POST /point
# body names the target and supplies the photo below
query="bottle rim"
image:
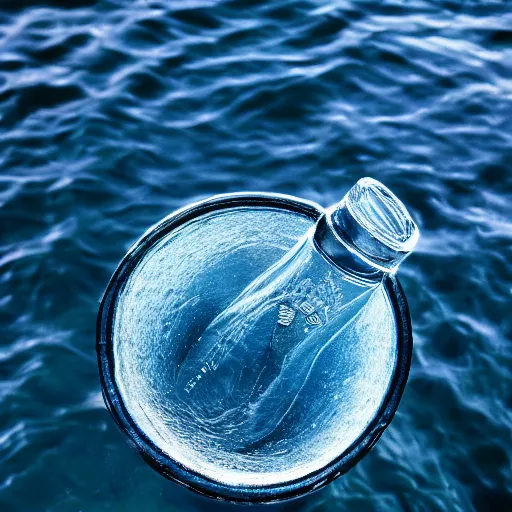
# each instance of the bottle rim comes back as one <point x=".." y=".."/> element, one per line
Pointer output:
<point x="396" y="228"/>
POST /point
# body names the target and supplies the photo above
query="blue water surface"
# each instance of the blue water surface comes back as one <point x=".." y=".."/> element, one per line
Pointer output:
<point x="114" y="113"/>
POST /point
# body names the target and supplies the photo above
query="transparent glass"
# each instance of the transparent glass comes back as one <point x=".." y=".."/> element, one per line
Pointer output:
<point x="254" y="347"/>
<point x="250" y="363"/>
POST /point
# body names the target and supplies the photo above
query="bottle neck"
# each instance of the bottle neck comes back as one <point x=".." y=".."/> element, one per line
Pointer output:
<point x="340" y="253"/>
<point x="369" y="231"/>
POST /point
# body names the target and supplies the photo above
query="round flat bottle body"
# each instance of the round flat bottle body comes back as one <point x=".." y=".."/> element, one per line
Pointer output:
<point x="209" y="425"/>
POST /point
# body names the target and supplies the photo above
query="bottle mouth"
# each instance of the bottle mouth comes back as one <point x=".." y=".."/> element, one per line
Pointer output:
<point x="379" y="211"/>
<point x="376" y="224"/>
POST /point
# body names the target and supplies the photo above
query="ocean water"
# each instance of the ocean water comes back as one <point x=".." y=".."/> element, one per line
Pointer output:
<point x="115" y="113"/>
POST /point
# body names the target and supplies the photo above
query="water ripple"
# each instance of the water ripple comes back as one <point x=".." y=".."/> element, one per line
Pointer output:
<point x="113" y="114"/>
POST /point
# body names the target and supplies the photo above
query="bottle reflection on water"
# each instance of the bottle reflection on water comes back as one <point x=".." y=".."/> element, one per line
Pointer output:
<point x="247" y="369"/>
